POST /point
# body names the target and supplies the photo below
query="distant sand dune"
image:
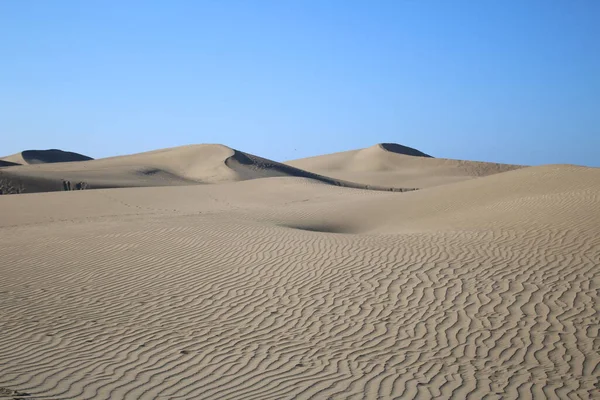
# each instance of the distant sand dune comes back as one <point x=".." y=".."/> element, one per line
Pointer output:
<point x="185" y="165"/>
<point x="400" y="149"/>
<point x="293" y="288"/>
<point x="388" y="164"/>
<point x="45" y="156"/>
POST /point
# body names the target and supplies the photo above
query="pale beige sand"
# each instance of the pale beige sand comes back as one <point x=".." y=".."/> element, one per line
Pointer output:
<point x="389" y="164"/>
<point x="184" y="165"/>
<point x="288" y="288"/>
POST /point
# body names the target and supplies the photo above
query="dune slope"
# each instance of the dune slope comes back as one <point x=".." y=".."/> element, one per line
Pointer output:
<point x="289" y="288"/>
<point x="4" y="163"/>
<point x="390" y="164"/>
<point x="45" y="156"/>
<point x="185" y="165"/>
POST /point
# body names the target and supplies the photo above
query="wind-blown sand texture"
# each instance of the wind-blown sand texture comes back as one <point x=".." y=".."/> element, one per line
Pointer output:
<point x="295" y="288"/>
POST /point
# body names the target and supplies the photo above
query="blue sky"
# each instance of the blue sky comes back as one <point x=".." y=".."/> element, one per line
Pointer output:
<point x="506" y="81"/>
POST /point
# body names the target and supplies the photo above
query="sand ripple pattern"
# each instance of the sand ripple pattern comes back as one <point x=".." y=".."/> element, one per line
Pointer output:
<point x="222" y="306"/>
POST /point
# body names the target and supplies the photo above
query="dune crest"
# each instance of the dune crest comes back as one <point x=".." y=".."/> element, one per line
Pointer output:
<point x="4" y="163"/>
<point x="184" y="165"/>
<point x="400" y="149"/>
<point x="45" y="156"/>
<point x="388" y="164"/>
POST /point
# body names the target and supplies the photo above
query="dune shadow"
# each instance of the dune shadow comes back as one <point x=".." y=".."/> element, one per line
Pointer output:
<point x="322" y="228"/>
<point x="405" y="150"/>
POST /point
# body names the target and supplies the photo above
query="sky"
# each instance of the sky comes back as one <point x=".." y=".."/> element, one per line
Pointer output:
<point x="504" y="81"/>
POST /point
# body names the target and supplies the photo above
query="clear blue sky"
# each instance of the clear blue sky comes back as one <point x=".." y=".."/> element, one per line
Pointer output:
<point x="507" y="81"/>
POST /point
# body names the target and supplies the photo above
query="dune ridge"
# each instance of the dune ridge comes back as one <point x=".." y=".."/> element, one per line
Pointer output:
<point x="4" y="163"/>
<point x="287" y="288"/>
<point x="400" y="149"/>
<point x="45" y="156"/>
<point x="389" y="163"/>
<point x="261" y="167"/>
<point x="184" y="165"/>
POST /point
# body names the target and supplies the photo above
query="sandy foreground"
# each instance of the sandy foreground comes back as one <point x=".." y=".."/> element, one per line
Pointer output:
<point x="482" y="284"/>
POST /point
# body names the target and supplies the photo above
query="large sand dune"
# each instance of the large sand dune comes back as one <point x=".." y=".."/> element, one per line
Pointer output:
<point x="391" y="164"/>
<point x="294" y="288"/>
<point x="185" y="165"/>
<point x="44" y="157"/>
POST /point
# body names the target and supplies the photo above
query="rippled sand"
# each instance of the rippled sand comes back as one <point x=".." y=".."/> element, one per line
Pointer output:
<point x="293" y="288"/>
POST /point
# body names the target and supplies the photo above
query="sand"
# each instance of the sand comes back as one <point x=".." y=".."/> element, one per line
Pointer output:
<point x="178" y="166"/>
<point x="287" y="287"/>
<point x="389" y="164"/>
<point x="44" y="157"/>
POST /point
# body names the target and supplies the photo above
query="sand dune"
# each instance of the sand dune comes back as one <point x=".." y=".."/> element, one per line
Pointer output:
<point x="44" y="157"/>
<point x="389" y="164"/>
<point x="185" y="165"/>
<point x="179" y="166"/>
<point x="4" y="163"/>
<point x="294" y="288"/>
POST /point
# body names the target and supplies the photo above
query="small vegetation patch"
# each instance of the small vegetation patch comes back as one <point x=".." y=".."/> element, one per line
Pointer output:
<point x="15" y="394"/>
<point x="68" y="185"/>
<point x="11" y="186"/>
